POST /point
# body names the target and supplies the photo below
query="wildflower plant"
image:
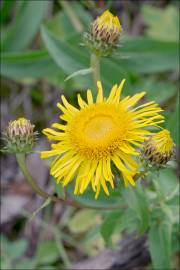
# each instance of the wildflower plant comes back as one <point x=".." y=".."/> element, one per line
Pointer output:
<point x="109" y="150"/>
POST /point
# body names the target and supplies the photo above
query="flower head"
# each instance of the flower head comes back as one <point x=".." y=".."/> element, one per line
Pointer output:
<point x="106" y="28"/>
<point x="159" y="148"/>
<point x="97" y="134"/>
<point x="19" y="136"/>
<point x="104" y="34"/>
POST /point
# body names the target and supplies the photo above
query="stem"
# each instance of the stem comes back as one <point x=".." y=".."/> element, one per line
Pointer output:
<point x="95" y="64"/>
<point x="72" y="15"/>
<point x="22" y="164"/>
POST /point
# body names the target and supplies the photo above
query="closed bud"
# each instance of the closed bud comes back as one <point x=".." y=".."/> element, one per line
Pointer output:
<point x="19" y="136"/>
<point x="104" y="34"/>
<point x="106" y="28"/>
<point x="159" y="148"/>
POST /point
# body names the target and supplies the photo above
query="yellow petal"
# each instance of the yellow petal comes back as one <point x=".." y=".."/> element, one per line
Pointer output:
<point x="81" y="102"/>
<point x="112" y="94"/>
<point x="128" y="177"/>
<point x="71" y="173"/>
<point x="103" y="183"/>
<point x="89" y="97"/>
<point x="97" y="190"/>
<point x="50" y="153"/>
<point x="100" y="92"/>
<point x="119" y="90"/>
<point x="59" y="126"/>
<point x="68" y="106"/>
<point x="134" y="99"/>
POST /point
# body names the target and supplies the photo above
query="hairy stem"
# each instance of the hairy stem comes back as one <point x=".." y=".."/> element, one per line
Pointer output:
<point x="22" y="164"/>
<point x="95" y="64"/>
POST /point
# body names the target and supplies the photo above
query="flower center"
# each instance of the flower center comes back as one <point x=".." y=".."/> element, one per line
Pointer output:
<point x="98" y="128"/>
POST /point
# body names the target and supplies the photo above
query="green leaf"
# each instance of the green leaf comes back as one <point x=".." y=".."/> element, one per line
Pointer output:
<point x="114" y="201"/>
<point x="85" y="17"/>
<point x="162" y="23"/>
<point x="167" y="181"/>
<point x="14" y="249"/>
<point x="175" y="238"/>
<point x="136" y="199"/>
<point x="172" y="122"/>
<point x="82" y="221"/>
<point x="26" y="264"/>
<point x="47" y="252"/>
<point x="28" y="65"/>
<point x="160" y="245"/>
<point x="22" y="31"/>
<point x="112" y="73"/>
<point x="63" y="54"/>
<point x="5" y="10"/>
<point x="129" y="221"/>
<point x="159" y="91"/>
<point x="109" y="224"/>
<point x="146" y="55"/>
<point x="80" y="72"/>
<point x="61" y="26"/>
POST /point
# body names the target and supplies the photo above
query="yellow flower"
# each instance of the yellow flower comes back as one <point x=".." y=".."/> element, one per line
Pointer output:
<point x="159" y="148"/>
<point x="98" y="133"/>
<point x="106" y="28"/>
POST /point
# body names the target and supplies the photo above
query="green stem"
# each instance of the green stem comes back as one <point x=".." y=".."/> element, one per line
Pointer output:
<point x="95" y="64"/>
<point x="22" y="164"/>
<point x="72" y="15"/>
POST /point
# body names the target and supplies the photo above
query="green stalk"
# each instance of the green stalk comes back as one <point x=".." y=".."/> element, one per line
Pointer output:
<point x="95" y="64"/>
<point x="22" y="164"/>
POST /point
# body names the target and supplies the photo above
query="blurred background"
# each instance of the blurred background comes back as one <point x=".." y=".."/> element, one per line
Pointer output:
<point x="40" y="46"/>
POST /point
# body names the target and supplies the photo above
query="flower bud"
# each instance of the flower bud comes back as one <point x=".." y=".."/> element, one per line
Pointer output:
<point x="19" y="136"/>
<point x="106" y="28"/>
<point x="159" y="149"/>
<point x="104" y="34"/>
